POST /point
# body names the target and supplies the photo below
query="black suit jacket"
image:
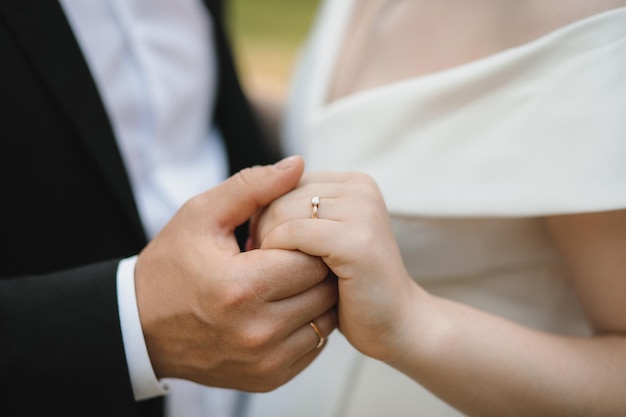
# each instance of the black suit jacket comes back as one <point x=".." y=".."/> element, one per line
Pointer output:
<point x="67" y="215"/>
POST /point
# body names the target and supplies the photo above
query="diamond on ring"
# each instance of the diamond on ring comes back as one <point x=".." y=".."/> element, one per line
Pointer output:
<point x="315" y="203"/>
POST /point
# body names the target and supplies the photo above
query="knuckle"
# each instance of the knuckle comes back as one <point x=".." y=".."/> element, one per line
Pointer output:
<point x="194" y="204"/>
<point x="359" y="177"/>
<point x="246" y="177"/>
<point x="255" y="339"/>
<point x="365" y="239"/>
<point x="270" y="365"/>
<point x="368" y="188"/>
<point x="239" y="296"/>
<point x="272" y="372"/>
<point x="369" y="180"/>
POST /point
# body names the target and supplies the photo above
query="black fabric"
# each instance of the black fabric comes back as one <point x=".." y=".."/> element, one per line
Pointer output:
<point x="68" y="215"/>
<point x="61" y="349"/>
<point x="234" y="115"/>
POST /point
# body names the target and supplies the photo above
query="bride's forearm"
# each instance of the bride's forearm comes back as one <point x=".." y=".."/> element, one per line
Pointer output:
<point x="487" y="366"/>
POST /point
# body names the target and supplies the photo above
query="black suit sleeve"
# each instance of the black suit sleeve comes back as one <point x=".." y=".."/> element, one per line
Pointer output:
<point x="61" y="347"/>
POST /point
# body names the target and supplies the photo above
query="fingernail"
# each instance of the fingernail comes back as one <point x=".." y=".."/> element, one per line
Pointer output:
<point x="285" y="163"/>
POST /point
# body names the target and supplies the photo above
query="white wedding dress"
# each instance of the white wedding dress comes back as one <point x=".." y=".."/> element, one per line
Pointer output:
<point x="467" y="159"/>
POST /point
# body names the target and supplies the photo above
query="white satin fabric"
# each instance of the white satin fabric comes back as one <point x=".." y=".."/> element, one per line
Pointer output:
<point x="467" y="159"/>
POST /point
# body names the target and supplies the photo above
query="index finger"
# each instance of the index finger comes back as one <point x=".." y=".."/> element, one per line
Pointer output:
<point x="281" y="274"/>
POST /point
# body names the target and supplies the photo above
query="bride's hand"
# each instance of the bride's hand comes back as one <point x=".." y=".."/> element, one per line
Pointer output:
<point x="353" y="235"/>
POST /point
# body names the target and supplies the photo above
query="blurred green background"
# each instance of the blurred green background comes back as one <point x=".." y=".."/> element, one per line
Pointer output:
<point x="267" y="35"/>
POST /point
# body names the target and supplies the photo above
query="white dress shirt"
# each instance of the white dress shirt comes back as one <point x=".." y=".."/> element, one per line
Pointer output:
<point x="154" y="64"/>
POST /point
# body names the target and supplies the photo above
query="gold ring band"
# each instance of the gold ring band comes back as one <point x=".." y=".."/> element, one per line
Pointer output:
<point x="315" y="203"/>
<point x="321" y="340"/>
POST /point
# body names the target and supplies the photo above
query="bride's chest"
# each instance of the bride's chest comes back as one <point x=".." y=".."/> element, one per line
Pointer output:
<point x="384" y="41"/>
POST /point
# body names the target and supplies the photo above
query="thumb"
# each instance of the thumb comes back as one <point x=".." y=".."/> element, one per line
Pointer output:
<point x="240" y="196"/>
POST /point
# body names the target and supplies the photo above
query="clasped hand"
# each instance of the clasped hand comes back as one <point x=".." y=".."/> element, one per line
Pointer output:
<point x="221" y="317"/>
<point x="352" y="234"/>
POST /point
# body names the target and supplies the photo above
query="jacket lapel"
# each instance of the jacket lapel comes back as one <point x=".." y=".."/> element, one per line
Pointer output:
<point x="243" y="136"/>
<point x="42" y="31"/>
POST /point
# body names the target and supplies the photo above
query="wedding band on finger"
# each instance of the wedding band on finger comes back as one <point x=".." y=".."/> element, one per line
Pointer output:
<point x="315" y="204"/>
<point x="321" y="340"/>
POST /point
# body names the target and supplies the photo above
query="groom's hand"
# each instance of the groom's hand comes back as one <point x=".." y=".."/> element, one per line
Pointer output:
<point x="219" y="317"/>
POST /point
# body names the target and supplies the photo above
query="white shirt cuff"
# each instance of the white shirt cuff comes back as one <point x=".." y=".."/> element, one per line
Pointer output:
<point x="143" y="380"/>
